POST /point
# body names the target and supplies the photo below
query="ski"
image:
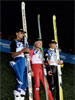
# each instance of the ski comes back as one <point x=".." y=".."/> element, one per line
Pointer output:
<point x="58" y="58"/>
<point x="44" y="67"/>
<point x="27" y="54"/>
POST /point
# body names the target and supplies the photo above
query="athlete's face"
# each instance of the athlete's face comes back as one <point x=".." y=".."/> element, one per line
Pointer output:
<point x="20" y="35"/>
<point x="53" y="45"/>
<point x="38" y="44"/>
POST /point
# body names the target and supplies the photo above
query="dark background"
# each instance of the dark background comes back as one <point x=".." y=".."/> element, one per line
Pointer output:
<point x="64" y="10"/>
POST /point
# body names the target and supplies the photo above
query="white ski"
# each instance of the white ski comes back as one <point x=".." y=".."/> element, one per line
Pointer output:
<point x="44" y="67"/>
<point x="58" y="58"/>
<point x="27" y="55"/>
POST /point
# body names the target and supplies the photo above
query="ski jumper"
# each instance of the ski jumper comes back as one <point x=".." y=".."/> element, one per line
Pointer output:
<point x="52" y="79"/>
<point x="37" y="68"/>
<point x="19" y="66"/>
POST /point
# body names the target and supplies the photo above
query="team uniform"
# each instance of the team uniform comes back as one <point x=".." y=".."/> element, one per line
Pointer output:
<point x="19" y="66"/>
<point x="37" y="69"/>
<point x="52" y="79"/>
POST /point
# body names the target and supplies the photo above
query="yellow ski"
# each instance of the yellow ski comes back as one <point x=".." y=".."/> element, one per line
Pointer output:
<point x="57" y="55"/>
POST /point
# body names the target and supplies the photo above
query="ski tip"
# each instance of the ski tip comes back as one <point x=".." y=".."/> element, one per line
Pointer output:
<point x="54" y="17"/>
<point x="23" y="4"/>
<point x="38" y="15"/>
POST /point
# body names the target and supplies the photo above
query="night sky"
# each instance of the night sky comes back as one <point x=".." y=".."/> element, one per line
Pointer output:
<point x="11" y="20"/>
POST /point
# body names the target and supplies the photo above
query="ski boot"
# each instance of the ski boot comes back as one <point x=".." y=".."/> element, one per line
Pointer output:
<point x="22" y="95"/>
<point x="16" y="95"/>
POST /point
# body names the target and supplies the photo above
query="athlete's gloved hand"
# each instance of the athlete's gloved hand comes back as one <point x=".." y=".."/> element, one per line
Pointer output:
<point x="46" y="63"/>
<point x="32" y="74"/>
<point x="49" y="61"/>
<point x="60" y="62"/>
<point x="50" y="72"/>
<point x="25" y="50"/>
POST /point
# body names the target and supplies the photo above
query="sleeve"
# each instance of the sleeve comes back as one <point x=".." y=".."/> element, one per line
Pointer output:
<point x="31" y="54"/>
<point x="49" y="55"/>
<point x="13" y="46"/>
